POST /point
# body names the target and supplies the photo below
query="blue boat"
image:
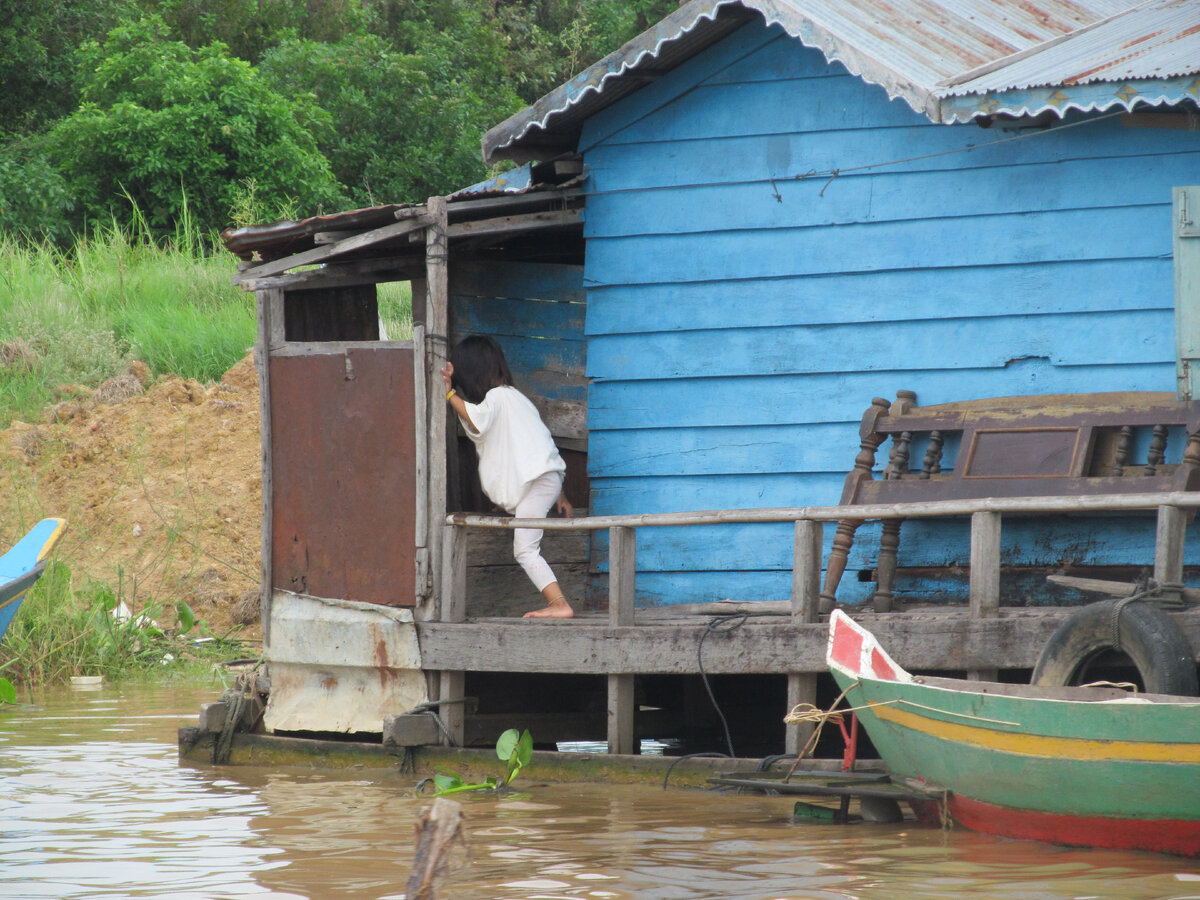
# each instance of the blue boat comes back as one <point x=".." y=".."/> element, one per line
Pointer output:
<point x="21" y="566"/>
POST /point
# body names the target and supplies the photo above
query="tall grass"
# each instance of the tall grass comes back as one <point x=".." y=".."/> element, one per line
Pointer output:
<point x="64" y="629"/>
<point x="78" y="316"/>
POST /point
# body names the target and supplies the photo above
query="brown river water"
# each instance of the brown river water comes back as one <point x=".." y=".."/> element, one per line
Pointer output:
<point x="94" y="804"/>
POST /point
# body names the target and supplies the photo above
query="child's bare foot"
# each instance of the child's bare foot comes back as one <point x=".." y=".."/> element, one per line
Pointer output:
<point x="558" y="608"/>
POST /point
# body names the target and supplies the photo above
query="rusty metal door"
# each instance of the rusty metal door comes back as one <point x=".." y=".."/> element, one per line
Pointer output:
<point x="343" y="473"/>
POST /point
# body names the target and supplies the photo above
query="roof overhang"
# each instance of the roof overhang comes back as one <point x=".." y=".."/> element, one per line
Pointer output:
<point x="950" y="61"/>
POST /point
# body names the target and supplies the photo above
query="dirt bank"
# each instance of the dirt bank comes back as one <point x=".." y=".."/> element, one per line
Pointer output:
<point x="161" y="483"/>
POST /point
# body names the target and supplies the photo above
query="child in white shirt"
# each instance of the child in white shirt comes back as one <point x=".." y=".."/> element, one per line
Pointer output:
<point x="520" y="469"/>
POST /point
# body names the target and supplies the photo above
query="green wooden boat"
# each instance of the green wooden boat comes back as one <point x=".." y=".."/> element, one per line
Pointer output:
<point x="1085" y="766"/>
<point x="21" y="566"/>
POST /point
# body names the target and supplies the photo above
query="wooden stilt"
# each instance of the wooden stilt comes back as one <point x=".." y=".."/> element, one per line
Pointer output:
<point x="622" y="580"/>
<point x="985" y="576"/>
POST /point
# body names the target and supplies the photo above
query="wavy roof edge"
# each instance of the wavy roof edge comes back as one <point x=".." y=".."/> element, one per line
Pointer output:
<point x="1083" y="43"/>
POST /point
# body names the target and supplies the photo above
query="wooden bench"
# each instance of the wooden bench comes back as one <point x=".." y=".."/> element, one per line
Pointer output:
<point x="1032" y="446"/>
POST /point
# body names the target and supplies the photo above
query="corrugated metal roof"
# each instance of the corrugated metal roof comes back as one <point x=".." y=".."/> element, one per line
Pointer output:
<point x="919" y="50"/>
<point x="1157" y="39"/>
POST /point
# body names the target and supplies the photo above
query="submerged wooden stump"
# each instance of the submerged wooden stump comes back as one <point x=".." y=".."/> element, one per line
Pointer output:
<point x="438" y="829"/>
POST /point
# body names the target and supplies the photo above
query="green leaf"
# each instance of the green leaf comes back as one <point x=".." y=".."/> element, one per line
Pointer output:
<point x="507" y="744"/>
<point x="186" y="617"/>
<point x="525" y="748"/>
<point x="8" y="693"/>
<point x="446" y="782"/>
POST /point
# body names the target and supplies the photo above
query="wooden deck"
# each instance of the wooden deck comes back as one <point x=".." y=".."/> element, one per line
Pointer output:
<point x="666" y="641"/>
<point x="784" y="638"/>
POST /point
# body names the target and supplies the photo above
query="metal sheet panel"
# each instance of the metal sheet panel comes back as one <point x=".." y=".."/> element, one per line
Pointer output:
<point x="1159" y="39"/>
<point x="344" y="474"/>
<point x="340" y="667"/>
<point x="912" y="48"/>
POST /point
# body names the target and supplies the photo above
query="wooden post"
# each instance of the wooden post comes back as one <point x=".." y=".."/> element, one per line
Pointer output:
<point x="421" y="433"/>
<point x="985" y="576"/>
<point x="270" y="308"/>
<point x="439" y="828"/>
<point x="454" y="574"/>
<point x="453" y="607"/>
<point x="1168" y="548"/>
<point x="436" y="354"/>
<point x="622" y="580"/>
<point x="806" y="597"/>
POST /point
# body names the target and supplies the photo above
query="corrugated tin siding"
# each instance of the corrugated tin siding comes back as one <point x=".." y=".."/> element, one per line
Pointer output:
<point x="741" y="315"/>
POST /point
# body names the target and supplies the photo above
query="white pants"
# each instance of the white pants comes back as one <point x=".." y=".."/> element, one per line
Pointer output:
<point x="527" y="542"/>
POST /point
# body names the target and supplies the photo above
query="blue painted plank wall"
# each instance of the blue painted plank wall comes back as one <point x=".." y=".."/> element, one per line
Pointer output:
<point x="745" y="303"/>
<point x="536" y="312"/>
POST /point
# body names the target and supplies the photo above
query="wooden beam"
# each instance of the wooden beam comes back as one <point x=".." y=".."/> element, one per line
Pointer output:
<point x="935" y="508"/>
<point x="622" y="575"/>
<point x="452" y="687"/>
<point x="328" y="251"/>
<point x="437" y="305"/>
<point x="620" y="714"/>
<point x="454" y="575"/>
<point x="806" y="571"/>
<point x="806" y="597"/>
<point x="622" y="594"/>
<point x="270" y="305"/>
<point x="948" y="641"/>
<point x="515" y="224"/>
<point x="342" y="274"/>
<point x="421" y="475"/>
<point x="556" y="198"/>
<point x="985" y="578"/>
<point x="1168" y="548"/>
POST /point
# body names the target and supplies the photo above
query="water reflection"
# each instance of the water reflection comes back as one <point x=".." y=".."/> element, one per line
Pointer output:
<point x="94" y="805"/>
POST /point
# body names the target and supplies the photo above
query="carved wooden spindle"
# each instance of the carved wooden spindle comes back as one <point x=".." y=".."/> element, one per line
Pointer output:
<point x="1191" y="453"/>
<point x="843" y="540"/>
<point x="885" y="571"/>
<point x="869" y="439"/>
<point x="897" y="466"/>
<point x="1124" y="445"/>
<point x="1158" y="450"/>
<point x="933" y="455"/>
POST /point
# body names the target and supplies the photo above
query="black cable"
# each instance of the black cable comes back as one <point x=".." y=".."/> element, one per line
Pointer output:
<point x="667" y="777"/>
<point x="719" y="625"/>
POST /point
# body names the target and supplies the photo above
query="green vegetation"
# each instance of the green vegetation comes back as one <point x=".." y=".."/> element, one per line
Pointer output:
<point x="64" y="629"/>
<point x="78" y="316"/>
<point x="179" y="104"/>
<point x="514" y="748"/>
<point x="133" y="131"/>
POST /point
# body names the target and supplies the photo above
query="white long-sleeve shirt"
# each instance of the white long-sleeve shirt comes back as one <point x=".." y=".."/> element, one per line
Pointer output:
<point x="514" y="445"/>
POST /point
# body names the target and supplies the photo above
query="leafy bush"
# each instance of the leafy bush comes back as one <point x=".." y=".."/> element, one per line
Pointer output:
<point x="164" y="126"/>
<point x="34" y="201"/>
<point x="402" y="126"/>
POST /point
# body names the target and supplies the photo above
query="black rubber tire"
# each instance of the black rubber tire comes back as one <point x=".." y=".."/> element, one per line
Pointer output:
<point x="1149" y="637"/>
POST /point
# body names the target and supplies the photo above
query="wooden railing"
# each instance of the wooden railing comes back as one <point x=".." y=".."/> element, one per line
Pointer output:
<point x="984" y="578"/>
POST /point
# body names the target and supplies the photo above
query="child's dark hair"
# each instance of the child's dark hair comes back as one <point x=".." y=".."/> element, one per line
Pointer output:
<point x="479" y="366"/>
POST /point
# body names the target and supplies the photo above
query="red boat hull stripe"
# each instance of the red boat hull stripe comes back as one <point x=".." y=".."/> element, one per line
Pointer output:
<point x="1181" y="837"/>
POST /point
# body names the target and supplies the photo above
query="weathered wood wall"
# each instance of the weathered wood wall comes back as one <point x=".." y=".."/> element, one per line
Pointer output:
<point x="536" y="312"/>
<point x="744" y="306"/>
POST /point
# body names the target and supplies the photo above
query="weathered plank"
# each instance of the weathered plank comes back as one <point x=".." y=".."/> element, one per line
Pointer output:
<point x="1100" y="285"/>
<point x="984" y="342"/>
<point x="917" y="641"/>
<point x="763" y="400"/>
<point x="328" y="251"/>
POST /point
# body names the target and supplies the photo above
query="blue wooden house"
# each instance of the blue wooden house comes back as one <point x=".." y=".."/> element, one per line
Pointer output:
<point x="721" y="243"/>
<point x="793" y="206"/>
